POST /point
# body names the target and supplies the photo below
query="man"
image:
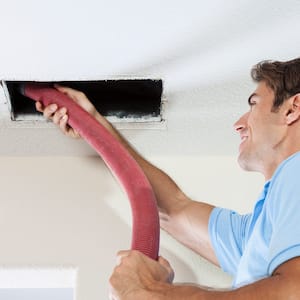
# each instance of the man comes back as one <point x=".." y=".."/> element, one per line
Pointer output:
<point x="262" y="249"/>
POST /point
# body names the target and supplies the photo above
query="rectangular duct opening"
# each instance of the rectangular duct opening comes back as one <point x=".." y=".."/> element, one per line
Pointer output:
<point x="124" y="100"/>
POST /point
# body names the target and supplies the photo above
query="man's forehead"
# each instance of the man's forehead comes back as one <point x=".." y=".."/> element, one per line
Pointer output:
<point x="262" y="90"/>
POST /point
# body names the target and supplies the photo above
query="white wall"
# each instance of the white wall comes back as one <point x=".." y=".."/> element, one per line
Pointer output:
<point x="70" y="212"/>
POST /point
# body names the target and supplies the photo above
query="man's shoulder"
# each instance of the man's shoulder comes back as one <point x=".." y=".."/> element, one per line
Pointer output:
<point x="290" y="167"/>
<point x="284" y="188"/>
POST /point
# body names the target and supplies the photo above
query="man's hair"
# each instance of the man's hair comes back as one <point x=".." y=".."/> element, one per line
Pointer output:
<point x="282" y="77"/>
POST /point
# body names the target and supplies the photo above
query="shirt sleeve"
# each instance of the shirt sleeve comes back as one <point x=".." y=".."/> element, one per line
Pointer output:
<point x="227" y="232"/>
<point x="285" y="216"/>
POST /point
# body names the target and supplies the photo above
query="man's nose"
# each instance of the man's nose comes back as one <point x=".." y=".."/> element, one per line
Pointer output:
<point x="241" y="123"/>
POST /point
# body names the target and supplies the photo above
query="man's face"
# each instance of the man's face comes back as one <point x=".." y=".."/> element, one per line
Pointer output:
<point x="261" y="131"/>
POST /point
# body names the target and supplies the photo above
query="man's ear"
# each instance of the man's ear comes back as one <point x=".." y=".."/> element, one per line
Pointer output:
<point x="293" y="113"/>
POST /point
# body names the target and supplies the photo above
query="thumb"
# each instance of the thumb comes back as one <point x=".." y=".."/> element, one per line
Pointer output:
<point x="164" y="263"/>
<point x="76" y="95"/>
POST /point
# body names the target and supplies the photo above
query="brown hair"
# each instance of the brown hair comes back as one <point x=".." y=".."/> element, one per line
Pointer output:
<point x="282" y="77"/>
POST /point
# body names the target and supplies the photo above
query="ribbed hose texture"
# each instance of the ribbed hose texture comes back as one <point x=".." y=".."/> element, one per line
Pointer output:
<point x="145" y="223"/>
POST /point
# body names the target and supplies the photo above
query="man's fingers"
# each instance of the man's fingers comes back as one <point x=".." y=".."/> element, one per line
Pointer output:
<point x="49" y="111"/>
<point x="163" y="262"/>
<point x="120" y="255"/>
<point x="66" y="129"/>
<point x="39" y="107"/>
<point x="63" y="124"/>
<point x="59" y="114"/>
<point x="123" y="252"/>
<point x="74" y="133"/>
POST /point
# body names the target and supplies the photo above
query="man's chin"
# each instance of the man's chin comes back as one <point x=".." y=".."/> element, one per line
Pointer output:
<point x="244" y="162"/>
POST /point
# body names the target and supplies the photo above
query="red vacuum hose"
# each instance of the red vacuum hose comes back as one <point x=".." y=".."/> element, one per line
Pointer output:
<point x="145" y="224"/>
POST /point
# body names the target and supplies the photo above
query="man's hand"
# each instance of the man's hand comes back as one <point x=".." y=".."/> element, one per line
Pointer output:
<point x="59" y="115"/>
<point x="135" y="274"/>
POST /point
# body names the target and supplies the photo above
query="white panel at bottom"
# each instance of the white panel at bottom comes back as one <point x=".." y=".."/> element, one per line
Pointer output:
<point x="50" y="278"/>
<point x="37" y="294"/>
<point x="37" y="283"/>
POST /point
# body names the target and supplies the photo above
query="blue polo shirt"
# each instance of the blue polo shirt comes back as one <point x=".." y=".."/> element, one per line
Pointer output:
<point x="250" y="247"/>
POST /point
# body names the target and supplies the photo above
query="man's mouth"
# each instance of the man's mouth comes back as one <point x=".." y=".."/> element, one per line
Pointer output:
<point x="243" y="138"/>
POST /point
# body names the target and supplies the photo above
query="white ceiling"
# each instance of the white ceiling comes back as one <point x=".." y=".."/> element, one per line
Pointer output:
<point x="202" y="50"/>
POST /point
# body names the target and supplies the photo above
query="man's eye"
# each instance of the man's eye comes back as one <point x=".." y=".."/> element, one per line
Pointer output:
<point x="251" y="103"/>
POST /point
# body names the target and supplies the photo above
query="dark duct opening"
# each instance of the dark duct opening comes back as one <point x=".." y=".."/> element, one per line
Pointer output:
<point x="135" y="98"/>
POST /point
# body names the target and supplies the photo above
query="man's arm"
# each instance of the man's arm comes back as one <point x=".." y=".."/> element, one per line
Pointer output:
<point x="183" y="218"/>
<point x="283" y="284"/>
<point x="138" y="277"/>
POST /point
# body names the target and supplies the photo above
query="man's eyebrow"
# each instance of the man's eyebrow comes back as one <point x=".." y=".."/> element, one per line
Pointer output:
<point x="249" y="99"/>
